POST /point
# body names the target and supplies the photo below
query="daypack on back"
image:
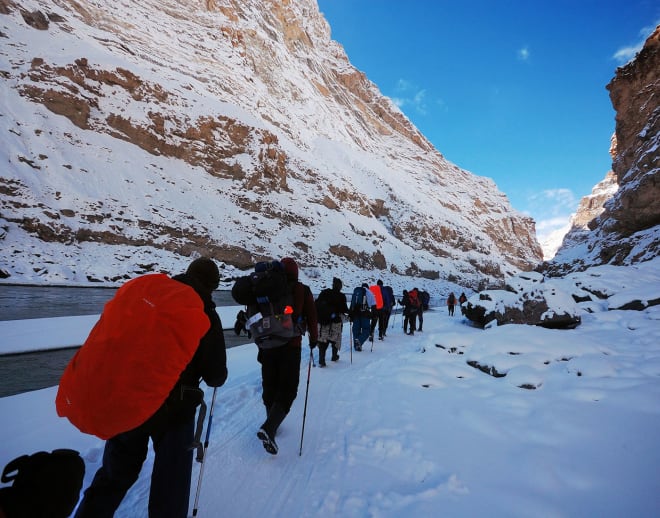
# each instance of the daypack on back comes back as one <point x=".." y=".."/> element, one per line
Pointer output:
<point x="414" y="301"/>
<point x="388" y="297"/>
<point x="425" y="299"/>
<point x="44" y="485"/>
<point x="269" y="301"/>
<point x="147" y="334"/>
<point x="359" y="305"/>
<point x="375" y="289"/>
<point x="324" y="309"/>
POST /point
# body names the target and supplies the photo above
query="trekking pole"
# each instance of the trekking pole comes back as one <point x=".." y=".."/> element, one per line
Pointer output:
<point x="206" y="446"/>
<point x="302" y="433"/>
<point x="351" y="341"/>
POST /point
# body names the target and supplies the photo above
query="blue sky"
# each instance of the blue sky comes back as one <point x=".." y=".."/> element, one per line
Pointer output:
<point x="511" y="90"/>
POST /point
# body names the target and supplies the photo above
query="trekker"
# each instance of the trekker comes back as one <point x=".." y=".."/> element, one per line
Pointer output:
<point x="239" y="324"/>
<point x="363" y="303"/>
<point x="330" y="307"/>
<point x="451" y="302"/>
<point x="171" y="428"/>
<point x="413" y="309"/>
<point x="404" y="302"/>
<point x="424" y="299"/>
<point x="377" y="313"/>
<point x="386" y="312"/>
<point x="280" y="366"/>
<point x="462" y="300"/>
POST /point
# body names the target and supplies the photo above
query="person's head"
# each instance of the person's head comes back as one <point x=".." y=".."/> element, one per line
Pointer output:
<point x="290" y="268"/>
<point x="336" y="284"/>
<point x="365" y="285"/>
<point x="379" y="282"/>
<point x="205" y="272"/>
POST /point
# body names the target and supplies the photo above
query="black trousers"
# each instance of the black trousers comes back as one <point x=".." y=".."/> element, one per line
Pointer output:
<point x="280" y="375"/>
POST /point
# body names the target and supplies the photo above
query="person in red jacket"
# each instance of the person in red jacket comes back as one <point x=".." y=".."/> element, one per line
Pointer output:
<point x="280" y="366"/>
<point x="171" y="428"/>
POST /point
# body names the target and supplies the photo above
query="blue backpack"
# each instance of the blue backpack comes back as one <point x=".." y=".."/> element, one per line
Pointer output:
<point x="388" y="297"/>
<point x="359" y="305"/>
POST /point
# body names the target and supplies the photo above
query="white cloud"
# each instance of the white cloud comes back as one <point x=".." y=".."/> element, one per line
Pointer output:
<point x="410" y="95"/>
<point x="625" y="54"/>
<point x="523" y="54"/>
<point x="554" y="201"/>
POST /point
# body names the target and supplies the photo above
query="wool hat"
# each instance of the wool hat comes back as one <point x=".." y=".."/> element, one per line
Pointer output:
<point x="290" y="268"/>
<point x="205" y="271"/>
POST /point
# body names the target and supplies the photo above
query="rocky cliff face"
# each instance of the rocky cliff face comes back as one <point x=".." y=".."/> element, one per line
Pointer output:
<point x="138" y="134"/>
<point x="589" y="209"/>
<point x="635" y="95"/>
<point x="628" y="229"/>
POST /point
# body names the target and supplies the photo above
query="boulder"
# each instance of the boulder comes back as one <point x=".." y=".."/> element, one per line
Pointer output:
<point x="527" y="299"/>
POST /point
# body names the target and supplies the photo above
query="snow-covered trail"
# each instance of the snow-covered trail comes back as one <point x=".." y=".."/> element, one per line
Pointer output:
<point x="411" y="429"/>
<point x="348" y="448"/>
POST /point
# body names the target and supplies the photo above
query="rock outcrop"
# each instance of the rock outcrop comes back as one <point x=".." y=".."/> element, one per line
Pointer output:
<point x="526" y="299"/>
<point x="627" y="230"/>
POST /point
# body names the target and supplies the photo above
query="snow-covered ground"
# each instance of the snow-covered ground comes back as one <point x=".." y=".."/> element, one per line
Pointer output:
<point x="411" y="429"/>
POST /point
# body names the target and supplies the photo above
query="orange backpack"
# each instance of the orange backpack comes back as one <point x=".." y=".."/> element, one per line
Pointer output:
<point x="375" y="289"/>
<point x="147" y="334"/>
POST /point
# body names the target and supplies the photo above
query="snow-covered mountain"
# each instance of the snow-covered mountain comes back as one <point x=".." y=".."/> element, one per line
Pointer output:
<point x="138" y="134"/>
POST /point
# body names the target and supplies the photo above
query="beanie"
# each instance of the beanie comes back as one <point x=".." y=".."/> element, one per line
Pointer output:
<point x="290" y="268"/>
<point x="206" y="272"/>
<point x="336" y="284"/>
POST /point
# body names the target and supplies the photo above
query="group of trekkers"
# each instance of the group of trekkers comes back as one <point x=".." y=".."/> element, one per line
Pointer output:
<point x="174" y="322"/>
<point x="369" y="311"/>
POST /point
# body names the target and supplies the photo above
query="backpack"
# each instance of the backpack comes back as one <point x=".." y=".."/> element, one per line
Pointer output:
<point x="268" y="298"/>
<point x="44" y="485"/>
<point x="324" y="309"/>
<point x="414" y="301"/>
<point x="378" y="295"/>
<point x="359" y="305"/>
<point x="146" y="336"/>
<point x="388" y="297"/>
<point x="426" y="298"/>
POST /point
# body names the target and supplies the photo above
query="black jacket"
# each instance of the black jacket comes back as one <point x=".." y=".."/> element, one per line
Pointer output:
<point x="209" y="363"/>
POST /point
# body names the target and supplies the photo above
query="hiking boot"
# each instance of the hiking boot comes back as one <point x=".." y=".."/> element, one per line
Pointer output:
<point x="335" y="356"/>
<point x="323" y="347"/>
<point x="269" y="442"/>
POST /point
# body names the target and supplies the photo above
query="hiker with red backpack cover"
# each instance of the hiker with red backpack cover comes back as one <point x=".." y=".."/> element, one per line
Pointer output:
<point x="414" y="304"/>
<point x="137" y="378"/>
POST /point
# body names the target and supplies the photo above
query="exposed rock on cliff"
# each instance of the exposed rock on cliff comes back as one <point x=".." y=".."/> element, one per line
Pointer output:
<point x="628" y="229"/>
<point x="235" y="129"/>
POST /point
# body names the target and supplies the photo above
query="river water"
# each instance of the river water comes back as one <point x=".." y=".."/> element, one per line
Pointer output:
<point x="21" y="302"/>
<point x="33" y="371"/>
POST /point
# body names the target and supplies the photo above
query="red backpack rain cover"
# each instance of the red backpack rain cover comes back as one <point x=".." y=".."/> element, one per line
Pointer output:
<point x="147" y="334"/>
